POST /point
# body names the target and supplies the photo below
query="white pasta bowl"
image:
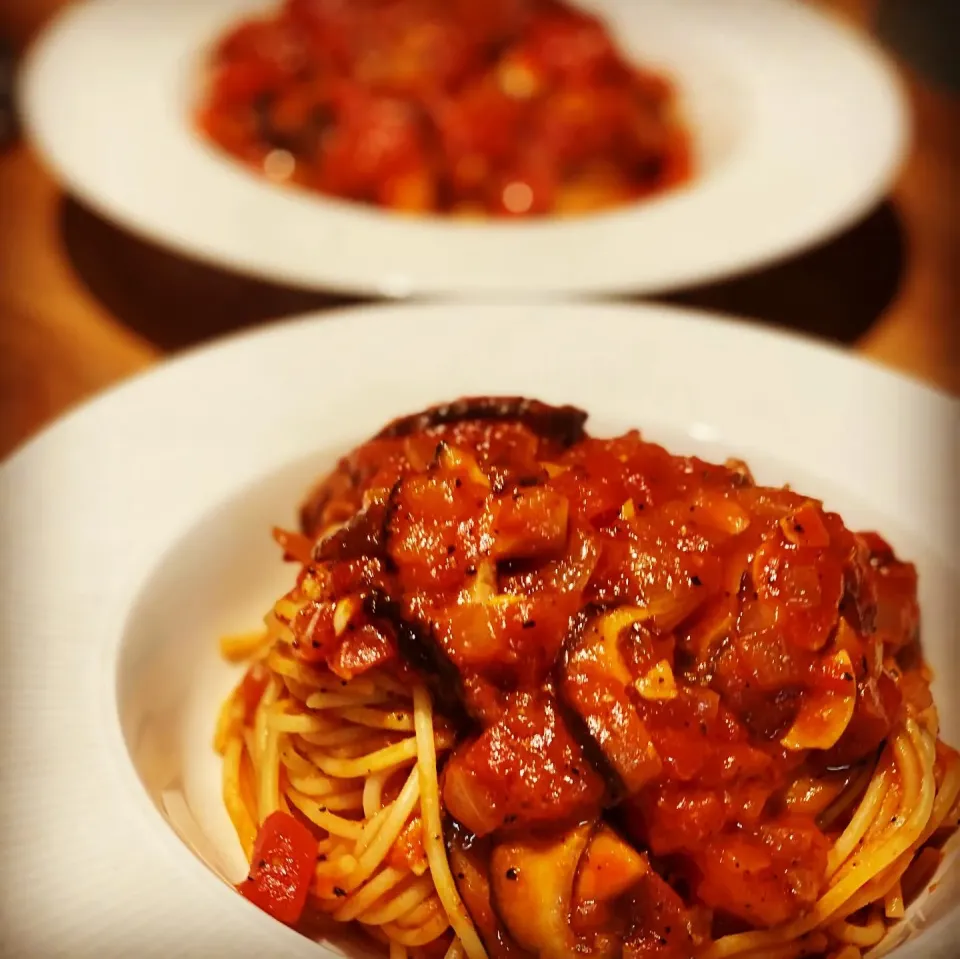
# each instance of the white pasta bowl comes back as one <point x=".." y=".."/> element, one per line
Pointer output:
<point x="136" y="531"/>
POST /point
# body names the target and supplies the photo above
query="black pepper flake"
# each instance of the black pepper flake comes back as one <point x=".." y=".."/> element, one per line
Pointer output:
<point x="893" y="820"/>
<point x="797" y="528"/>
<point x="661" y="940"/>
<point x="640" y="505"/>
<point x="529" y="623"/>
<point x="451" y="549"/>
<point x="315" y="643"/>
<point x="668" y="929"/>
<point x="296" y="644"/>
<point x="513" y="874"/>
<point x="461" y="875"/>
<point x="458" y="482"/>
<point x="575" y="770"/>
<point x="321" y="857"/>
<point x="509" y="819"/>
<point x="847" y="677"/>
<point x="339" y="892"/>
<point x="322" y="808"/>
<point x="262" y="864"/>
<point x="863" y="662"/>
<point x="696" y="581"/>
<point x="471" y="571"/>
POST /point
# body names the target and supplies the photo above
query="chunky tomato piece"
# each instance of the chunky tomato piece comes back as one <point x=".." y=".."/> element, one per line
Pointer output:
<point x="525" y="769"/>
<point x="374" y="139"/>
<point x="361" y="649"/>
<point x="529" y="524"/>
<point x="434" y="529"/>
<point x="314" y="636"/>
<point x="666" y="567"/>
<point x="767" y="876"/>
<point x="514" y="640"/>
<point x="803" y="585"/>
<point x="281" y="869"/>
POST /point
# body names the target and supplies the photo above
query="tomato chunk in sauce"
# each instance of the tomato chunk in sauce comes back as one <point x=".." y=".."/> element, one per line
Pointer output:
<point x="282" y="866"/>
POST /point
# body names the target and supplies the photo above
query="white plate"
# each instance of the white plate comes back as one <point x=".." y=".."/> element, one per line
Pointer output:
<point x="136" y="530"/>
<point x="799" y="127"/>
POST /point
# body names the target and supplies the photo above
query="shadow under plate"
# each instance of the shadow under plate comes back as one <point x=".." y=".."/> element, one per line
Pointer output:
<point x="837" y="290"/>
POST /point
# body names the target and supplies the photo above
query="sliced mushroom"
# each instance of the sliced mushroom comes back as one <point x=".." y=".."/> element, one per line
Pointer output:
<point x="560" y="424"/>
<point x="363" y="535"/>
<point x="592" y="685"/>
<point x="532" y="882"/>
<point x="470" y="865"/>
<point x="529" y="524"/>
<point x="825" y="713"/>
<point x="610" y="867"/>
<point x="419" y="648"/>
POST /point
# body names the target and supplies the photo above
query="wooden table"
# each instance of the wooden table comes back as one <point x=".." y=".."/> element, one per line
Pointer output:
<point x="83" y="304"/>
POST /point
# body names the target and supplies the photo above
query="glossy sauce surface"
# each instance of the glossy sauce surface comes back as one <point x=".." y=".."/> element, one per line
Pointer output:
<point x="654" y="664"/>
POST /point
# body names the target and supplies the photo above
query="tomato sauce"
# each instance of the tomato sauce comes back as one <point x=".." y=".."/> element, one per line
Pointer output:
<point x="649" y="644"/>
<point x="506" y="108"/>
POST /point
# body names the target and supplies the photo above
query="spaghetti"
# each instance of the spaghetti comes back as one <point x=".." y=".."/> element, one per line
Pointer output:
<point x="510" y="706"/>
<point x="357" y="760"/>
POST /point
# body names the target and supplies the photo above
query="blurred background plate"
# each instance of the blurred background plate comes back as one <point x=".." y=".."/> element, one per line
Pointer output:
<point x="798" y="123"/>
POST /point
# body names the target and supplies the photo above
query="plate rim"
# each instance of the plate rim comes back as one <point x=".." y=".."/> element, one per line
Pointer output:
<point x="348" y="313"/>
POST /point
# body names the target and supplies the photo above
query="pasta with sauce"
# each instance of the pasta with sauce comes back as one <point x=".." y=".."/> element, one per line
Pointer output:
<point x="467" y="108"/>
<point x="535" y="693"/>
